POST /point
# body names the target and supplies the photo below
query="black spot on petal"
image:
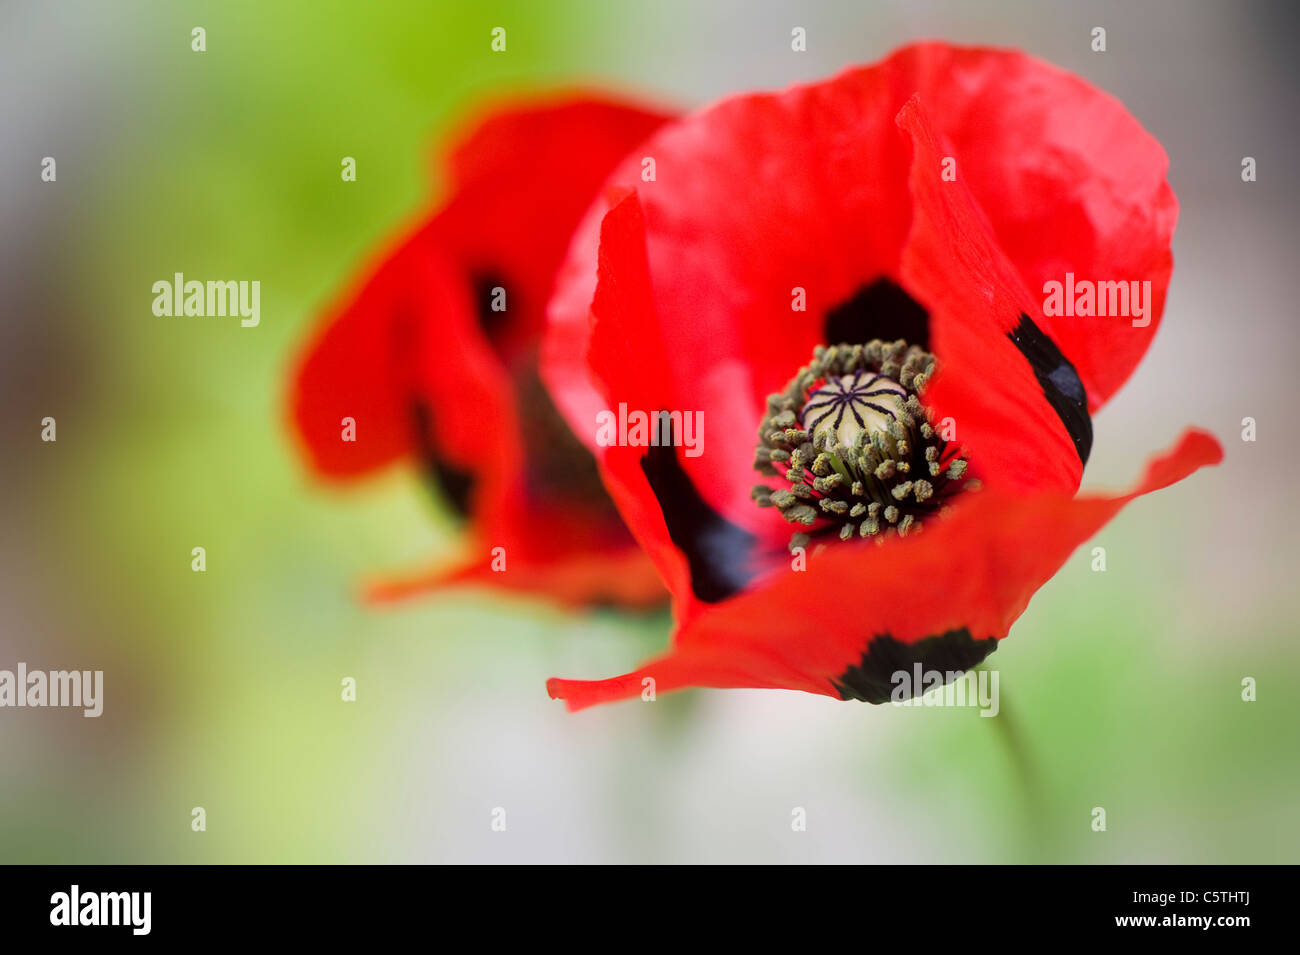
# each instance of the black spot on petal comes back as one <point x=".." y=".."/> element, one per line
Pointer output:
<point x="492" y="322"/>
<point x="879" y="309"/>
<point x="717" y="551"/>
<point x="872" y="678"/>
<point x="454" y="484"/>
<point x="1060" y="382"/>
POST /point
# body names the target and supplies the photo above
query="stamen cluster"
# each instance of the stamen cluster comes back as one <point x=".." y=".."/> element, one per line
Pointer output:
<point x="852" y="436"/>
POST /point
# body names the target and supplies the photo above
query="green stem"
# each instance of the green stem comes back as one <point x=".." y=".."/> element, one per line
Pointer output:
<point x="1030" y="784"/>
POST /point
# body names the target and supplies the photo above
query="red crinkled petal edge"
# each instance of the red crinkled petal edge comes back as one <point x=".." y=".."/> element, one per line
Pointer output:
<point x="1068" y="180"/>
<point x="976" y="570"/>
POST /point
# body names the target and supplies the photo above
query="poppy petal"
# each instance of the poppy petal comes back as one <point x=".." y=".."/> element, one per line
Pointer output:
<point x="964" y="581"/>
<point x="582" y="578"/>
<point x="519" y="181"/>
<point x="734" y="226"/>
<point x="1011" y="395"/>
<point x="697" y="549"/>
<point x="731" y="242"/>
<point x="374" y="361"/>
<point x="1070" y="182"/>
<point x="429" y="368"/>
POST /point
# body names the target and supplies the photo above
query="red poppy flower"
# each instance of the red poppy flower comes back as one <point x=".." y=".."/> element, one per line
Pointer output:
<point x="904" y="216"/>
<point x="432" y="357"/>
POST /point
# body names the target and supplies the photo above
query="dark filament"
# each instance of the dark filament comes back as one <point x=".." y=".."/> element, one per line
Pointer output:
<point x="838" y="401"/>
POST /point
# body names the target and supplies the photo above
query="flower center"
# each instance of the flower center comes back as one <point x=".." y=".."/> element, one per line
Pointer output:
<point x="860" y="450"/>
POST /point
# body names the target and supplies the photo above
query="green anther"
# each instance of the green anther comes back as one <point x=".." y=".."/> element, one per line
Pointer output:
<point x="783" y="498"/>
<point x="801" y="514"/>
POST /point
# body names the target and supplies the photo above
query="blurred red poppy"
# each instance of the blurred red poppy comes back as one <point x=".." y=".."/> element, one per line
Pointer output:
<point x="432" y="358"/>
<point x="841" y="280"/>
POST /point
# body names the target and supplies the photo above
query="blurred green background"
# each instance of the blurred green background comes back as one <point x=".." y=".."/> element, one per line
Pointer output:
<point x="223" y="688"/>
